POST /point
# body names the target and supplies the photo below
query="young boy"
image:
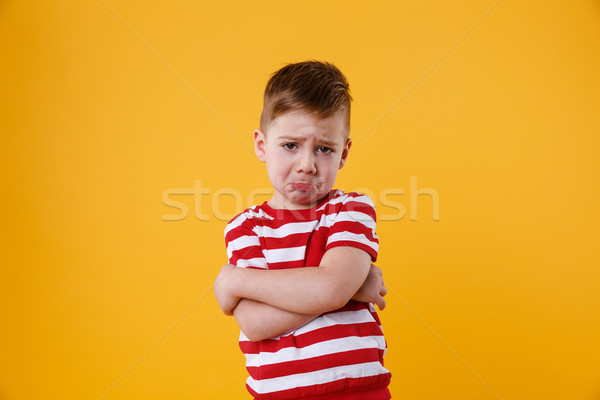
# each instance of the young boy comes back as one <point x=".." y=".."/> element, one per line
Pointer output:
<point x="307" y="333"/>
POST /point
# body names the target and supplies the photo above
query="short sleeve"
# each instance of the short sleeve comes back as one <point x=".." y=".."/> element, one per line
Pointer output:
<point x="354" y="225"/>
<point x="243" y="244"/>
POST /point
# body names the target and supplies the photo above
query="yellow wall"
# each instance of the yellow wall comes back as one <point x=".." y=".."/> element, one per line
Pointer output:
<point x="106" y="106"/>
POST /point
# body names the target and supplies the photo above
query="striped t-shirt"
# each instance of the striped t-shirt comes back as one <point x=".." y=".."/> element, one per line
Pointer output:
<point x="340" y="353"/>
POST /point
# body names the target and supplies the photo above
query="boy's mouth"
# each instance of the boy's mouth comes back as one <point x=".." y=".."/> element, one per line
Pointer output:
<point x="303" y="187"/>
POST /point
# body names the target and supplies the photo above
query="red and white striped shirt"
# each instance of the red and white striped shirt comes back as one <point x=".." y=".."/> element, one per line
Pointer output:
<point x="338" y="355"/>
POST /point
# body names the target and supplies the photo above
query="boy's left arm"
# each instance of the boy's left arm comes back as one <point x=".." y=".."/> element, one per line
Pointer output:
<point x="339" y="276"/>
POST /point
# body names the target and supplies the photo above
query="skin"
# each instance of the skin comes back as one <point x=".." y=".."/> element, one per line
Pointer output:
<point x="303" y="154"/>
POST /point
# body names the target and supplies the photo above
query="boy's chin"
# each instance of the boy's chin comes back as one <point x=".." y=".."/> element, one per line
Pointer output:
<point x="304" y="200"/>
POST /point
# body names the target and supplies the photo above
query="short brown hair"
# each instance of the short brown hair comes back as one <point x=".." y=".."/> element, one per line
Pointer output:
<point x="311" y="86"/>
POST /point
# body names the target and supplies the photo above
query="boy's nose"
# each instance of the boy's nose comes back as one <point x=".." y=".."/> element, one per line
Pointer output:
<point x="306" y="163"/>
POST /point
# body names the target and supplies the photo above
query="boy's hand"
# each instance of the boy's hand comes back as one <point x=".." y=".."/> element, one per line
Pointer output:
<point x="223" y="291"/>
<point x="372" y="289"/>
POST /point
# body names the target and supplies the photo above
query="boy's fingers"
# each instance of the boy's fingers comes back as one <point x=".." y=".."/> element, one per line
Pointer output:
<point x="377" y="269"/>
<point x="381" y="303"/>
<point x="383" y="291"/>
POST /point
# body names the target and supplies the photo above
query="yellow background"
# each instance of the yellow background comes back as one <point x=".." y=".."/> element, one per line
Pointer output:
<point x="107" y="105"/>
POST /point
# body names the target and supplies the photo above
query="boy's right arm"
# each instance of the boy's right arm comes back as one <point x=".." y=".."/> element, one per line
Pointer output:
<point x="261" y="321"/>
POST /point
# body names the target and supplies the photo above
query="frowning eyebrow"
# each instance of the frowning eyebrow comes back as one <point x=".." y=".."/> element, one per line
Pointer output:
<point x="325" y="141"/>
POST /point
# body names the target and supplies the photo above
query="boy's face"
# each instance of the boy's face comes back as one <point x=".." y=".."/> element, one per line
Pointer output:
<point x="303" y="154"/>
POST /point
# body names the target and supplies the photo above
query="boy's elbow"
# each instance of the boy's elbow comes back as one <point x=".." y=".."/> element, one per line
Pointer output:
<point x="249" y="328"/>
<point x="337" y="296"/>
<point x="335" y="304"/>
<point x="254" y="332"/>
<point x="337" y="287"/>
<point x="252" y="328"/>
<point x="252" y="336"/>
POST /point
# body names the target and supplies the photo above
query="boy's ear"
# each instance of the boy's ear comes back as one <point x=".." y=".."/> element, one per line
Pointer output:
<point x="345" y="152"/>
<point x="259" y="144"/>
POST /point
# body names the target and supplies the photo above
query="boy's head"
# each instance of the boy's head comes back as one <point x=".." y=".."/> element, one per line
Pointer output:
<point x="304" y="132"/>
<point x="310" y="86"/>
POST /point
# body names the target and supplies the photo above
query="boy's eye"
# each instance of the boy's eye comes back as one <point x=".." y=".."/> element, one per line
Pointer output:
<point x="289" y="146"/>
<point x="324" y="150"/>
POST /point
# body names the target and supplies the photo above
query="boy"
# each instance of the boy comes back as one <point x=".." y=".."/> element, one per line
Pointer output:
<point x="307" y="333"/>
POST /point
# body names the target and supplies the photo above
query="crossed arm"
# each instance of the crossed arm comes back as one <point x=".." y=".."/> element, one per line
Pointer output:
<point x="269" y="303"/>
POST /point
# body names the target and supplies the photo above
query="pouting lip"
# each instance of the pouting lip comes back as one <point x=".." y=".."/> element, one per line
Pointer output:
<point x="303" y="186"/>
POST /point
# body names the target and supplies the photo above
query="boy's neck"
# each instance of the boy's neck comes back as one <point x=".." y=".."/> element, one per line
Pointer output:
<point x="279" y="204"/>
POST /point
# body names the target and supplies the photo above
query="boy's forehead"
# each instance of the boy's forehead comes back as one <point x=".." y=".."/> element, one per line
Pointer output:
<point x="300" y="124"/>
<point x="322" y="139"/>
